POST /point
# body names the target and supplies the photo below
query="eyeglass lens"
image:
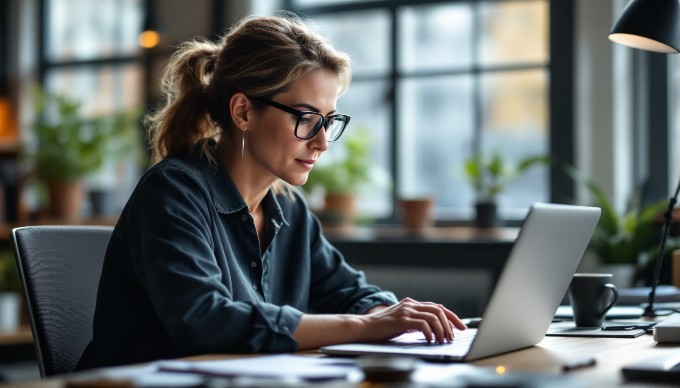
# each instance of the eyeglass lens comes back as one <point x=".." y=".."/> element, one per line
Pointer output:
<point x="310" y="123"/>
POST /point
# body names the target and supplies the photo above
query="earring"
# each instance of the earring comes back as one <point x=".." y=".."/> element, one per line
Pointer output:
<point x="243" y="143"/>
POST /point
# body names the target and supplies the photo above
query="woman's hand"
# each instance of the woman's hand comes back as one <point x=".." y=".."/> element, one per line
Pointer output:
<point x="433" y="320"/>
<point x="381" y="323"/>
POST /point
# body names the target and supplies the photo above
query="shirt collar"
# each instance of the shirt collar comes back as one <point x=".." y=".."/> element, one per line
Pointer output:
<point x="226" y="197"/>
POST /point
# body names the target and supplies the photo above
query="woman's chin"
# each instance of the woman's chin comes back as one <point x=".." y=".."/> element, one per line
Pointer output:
<point x="298" y="180"/>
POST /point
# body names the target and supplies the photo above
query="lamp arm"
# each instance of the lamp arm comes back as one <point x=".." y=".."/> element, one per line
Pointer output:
<point x="668" y="218"/>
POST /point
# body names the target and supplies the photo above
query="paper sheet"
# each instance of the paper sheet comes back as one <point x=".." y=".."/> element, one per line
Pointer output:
<point x="284" y="366"/>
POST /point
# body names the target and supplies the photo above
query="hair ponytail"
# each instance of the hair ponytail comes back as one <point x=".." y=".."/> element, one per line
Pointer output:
<point x="184" y="118"/>
<point x="260" y="57"/>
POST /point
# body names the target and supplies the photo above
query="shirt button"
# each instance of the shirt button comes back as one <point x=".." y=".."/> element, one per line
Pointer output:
<point x="253" y="264"/>
<point x="254" y="286"/>
<point x="244" y="217"/>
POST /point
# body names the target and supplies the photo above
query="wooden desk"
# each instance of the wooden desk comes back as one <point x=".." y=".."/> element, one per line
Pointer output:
<point x="611" y="355"/>
<point x="545" y="358"/>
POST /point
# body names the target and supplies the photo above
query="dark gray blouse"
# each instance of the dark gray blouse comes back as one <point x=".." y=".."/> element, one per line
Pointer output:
<point x="184" y="274"/>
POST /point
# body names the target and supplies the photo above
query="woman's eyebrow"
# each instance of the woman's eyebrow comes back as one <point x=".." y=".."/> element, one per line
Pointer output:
<point x="312" y="108"/>
<point x="307" y="107"/>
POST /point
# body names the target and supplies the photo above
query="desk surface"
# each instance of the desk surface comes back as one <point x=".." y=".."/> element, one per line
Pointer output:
<point x="611" y="354"/>
<point x="547" y="357"/>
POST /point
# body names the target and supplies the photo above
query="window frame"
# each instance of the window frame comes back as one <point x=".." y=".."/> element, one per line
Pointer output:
<point x="45" y="65"/>
<point x="559" y="67"/>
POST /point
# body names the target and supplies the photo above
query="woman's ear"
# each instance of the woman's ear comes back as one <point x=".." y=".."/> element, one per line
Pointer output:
<point x="240" y="110"/>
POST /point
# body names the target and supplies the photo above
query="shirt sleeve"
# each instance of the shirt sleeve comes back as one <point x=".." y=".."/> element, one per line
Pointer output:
<point x="173" y="256"/>
<point x="337" y="287"/>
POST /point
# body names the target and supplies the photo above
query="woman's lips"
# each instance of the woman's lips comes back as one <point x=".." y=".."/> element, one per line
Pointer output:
<point x="307" y="163"/>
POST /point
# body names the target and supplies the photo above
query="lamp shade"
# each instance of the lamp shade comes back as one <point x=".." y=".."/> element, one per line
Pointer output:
<point x="652" y="25"/>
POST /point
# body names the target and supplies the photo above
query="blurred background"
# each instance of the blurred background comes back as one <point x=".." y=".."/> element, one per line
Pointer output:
<point x="435" y="84"/>
<point x="446" y="97"/>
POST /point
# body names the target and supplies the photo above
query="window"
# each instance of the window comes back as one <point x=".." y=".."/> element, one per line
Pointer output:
<point x="674" y="137"/>
<point x="435" y="82"/>
<point x="89" y="52"/>
<point x="92" y="54"/>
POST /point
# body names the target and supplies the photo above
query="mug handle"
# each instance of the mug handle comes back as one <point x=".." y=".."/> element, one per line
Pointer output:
<point x="615" y="294"/>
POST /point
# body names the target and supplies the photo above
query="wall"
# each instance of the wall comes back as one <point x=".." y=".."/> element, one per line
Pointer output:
<point x="603" y="101"/>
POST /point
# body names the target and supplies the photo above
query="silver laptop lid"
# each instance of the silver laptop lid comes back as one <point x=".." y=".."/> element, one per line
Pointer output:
<point x="536" y="276"/>
<point x="534" y="280"/>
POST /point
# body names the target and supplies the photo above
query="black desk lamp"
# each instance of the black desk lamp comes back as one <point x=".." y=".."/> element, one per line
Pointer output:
<point x="652" y="25"/>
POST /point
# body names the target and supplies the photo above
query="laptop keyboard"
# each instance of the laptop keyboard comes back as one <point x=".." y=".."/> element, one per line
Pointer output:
<point x="461" y="339"/>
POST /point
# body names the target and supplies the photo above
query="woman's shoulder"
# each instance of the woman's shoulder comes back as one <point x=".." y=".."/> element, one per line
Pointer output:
<point x="172" y="167"/>
<point x="171" y="175"/>
<point x="291" y="201"/>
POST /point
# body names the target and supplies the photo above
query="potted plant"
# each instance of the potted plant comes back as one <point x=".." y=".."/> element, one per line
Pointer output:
<point x="626" y="242"/>
<point x="339" y="174"/>
<point x="489" y="177"/>
<point x="67" y="147"/>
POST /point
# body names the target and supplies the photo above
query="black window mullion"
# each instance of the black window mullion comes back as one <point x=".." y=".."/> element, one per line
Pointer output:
<point x="42" y="44"/>
<point x="92" y="62"/>
<point x="476" y="78"/>
<point x="561" y="96"/>
<point x="4" y="48"/>
<point x="658" y="126"/>
<point x="560" y="105"/>
<point x="394" y="99"/>
<point x="476" y="70"/>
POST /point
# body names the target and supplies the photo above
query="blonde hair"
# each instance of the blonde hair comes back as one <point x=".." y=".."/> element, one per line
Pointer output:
<point x="260" y="57"/>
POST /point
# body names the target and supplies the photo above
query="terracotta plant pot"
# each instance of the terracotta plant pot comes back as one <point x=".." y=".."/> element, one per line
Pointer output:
<point x="416" y="213"/>
<point x="65" y="199"/>
<point x="339" y="210"/>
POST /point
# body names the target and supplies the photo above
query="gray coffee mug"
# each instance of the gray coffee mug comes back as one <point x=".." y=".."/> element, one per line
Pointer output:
<point x="591" y="296"/>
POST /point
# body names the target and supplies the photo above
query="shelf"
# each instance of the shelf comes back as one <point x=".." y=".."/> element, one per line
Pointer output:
<point x="20" y="336"/>
<point x="431" y="234"/>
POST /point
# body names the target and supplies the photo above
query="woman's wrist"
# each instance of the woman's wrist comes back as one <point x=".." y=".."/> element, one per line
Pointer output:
<point x="375" y="309"/>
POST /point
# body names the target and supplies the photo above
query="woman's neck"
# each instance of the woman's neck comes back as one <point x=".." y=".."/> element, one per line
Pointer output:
<point x="251" y="183"/>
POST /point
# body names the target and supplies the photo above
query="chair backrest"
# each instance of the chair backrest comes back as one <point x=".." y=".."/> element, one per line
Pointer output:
<point x="60" y="267"/>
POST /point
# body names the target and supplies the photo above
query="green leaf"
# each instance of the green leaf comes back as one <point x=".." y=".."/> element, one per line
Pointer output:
<point x="627" y="236"/>
<point x="69" y="146"/>
<point x="490" y="178"/>
<point x="345" y="174"/>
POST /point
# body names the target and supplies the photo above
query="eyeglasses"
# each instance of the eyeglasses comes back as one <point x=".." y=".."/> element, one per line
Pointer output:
<point x="309" y="123"/>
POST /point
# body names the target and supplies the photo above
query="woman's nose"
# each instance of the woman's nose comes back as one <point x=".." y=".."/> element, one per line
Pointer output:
<point x="319" y="141"/>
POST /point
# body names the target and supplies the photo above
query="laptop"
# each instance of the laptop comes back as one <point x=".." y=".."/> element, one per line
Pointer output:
<point x="533" y="282"/>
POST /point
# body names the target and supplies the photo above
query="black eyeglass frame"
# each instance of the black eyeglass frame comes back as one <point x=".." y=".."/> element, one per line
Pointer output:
<point x="325" y="120"/>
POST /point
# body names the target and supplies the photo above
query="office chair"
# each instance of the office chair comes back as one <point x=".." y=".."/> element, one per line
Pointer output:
<point x="59" y="267"/>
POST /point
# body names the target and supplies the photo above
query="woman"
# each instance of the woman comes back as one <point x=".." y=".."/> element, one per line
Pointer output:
<point x="214" y="251"/>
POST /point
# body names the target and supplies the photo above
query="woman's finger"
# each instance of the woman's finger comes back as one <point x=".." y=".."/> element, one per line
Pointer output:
<point x="450" y="315"/>
<point x="433" y="322"/>
<point x="441" y="313"/>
